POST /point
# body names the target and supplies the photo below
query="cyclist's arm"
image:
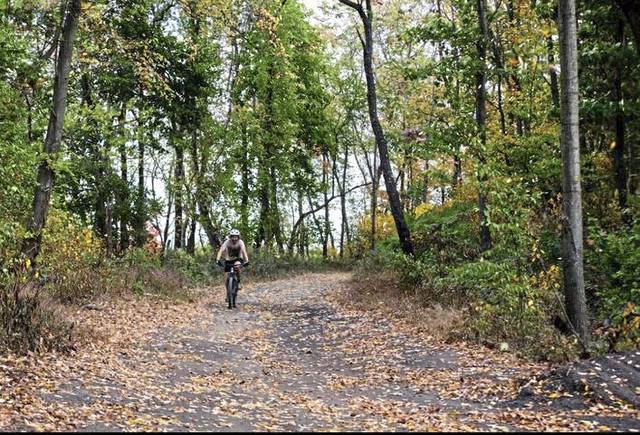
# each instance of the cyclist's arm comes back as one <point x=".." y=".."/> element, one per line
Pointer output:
<point x="243" y="251"/>
<point x="221" y="250"/>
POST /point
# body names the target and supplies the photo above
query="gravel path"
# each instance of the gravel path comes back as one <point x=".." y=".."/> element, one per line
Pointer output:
<point x="291" y="358"/>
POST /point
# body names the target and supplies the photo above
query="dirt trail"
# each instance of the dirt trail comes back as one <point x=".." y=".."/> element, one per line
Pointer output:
<point x="290" y="358"/>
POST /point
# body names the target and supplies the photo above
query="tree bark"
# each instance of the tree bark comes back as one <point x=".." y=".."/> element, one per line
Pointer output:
<point x="394" y="200"/>
<point x="140" y="230"/>
<point x="572" y="245"/>
<point x="619" y="150"/>
<point x="325" y="233"/>
<point x="631" y="11"/>
<point x="481" y="120"/>
<point x="344" y="227"/>
<point x="553" y="73"/>
<point x="124" y="194"/>
<point x="178" y="183"/>
<point x="46" y="175"/>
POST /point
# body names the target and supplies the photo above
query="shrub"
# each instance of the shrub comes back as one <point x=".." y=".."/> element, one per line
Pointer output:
<point x="70" y="257"/>
<point x="198" y="268"/>
<point x="28" y="321"/>
<point x="613" y="269"/>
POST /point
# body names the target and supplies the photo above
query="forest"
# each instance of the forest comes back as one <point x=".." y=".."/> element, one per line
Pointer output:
<point x="478" y="160"/>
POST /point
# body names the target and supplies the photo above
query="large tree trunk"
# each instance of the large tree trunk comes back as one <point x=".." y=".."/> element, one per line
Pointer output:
<point x="46" y="175"/>
<point x="392" y="192"/>
<point x="575" y="300"/>
<point x="481" y="120"/>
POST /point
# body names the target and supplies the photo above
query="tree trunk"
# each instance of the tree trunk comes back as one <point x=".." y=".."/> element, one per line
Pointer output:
<point x="631" y="11"/>
<point x="381" y="142"/>
<point x="620" y="147"/>
<point x="124" y="194"/>
<point x="571" y="190"/>
<point x="140" y="230"/>
<point x="244" y="194"/>
<point x="553" y="73"/>
<point x="178" y="183"/>
<point x="375" y="177"/>
<point x="191" y="240"/>
<point x="481" y="120"/>
<point x="325" y="183"/>
<point x="46" y="176"/>
<point x="300" y="236"/>
<point x="344" y="227"/>
<point x="101" y="163"/>
<point x="165" y="238"/>
<point x="425" y="181"/>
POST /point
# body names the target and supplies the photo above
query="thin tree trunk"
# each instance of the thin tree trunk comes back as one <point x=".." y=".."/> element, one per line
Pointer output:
<point x="191" y="240"/>
<point x="553" y="73"/>
<point x="344" y="227"/>
<point x="481" y="116"/>
<point x="301" y="231"/>
<point x="167" y="223"/>
<point x="46" y="175"/>
<point x="124" y="194"/>
<point x="178" y="184"/>
<point x="325" y="233"/>
<point x="101" y="161"/>
<point x="631" y="11"/>
<point x="375" y="178"/>
<point x="425" y="181"/>
<point x="394" y="199"/>
<point x="244" y="194"/>
<point x="620" y="147"/>
<point x="140" y="230"/>
<point x="572" y="244"/>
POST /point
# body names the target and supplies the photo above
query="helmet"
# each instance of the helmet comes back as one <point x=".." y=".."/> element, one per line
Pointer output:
<point x="234" y="232"/>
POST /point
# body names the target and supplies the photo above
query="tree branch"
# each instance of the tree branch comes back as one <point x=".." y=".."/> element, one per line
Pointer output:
<point x="294" y="230"/>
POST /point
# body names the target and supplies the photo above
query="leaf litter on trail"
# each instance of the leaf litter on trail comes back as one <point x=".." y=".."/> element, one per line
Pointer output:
<point x="315" y="363"/>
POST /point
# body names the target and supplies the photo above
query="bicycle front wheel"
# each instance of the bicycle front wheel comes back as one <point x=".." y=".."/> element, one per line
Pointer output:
<point x="232" y="290"/>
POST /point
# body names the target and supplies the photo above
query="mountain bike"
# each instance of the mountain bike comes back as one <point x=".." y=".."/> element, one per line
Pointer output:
<point x="232" y="267"/>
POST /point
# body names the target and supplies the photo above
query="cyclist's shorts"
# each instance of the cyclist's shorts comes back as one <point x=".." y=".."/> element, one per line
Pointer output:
<point x="228" y="264"/>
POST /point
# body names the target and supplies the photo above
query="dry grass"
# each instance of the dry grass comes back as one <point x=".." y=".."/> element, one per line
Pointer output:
<point x="379" y="292"/>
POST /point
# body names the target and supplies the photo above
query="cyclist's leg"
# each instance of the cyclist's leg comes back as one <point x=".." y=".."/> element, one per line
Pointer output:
<point x="235" y="260"/>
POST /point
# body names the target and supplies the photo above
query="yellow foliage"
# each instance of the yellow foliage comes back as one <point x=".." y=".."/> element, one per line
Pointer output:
<point x="69" y="255"/>
<point x="385" y="226"/>
<point x="423" y="208"/>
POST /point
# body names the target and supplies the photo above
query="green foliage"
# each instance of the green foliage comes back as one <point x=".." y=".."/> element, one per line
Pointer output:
<point x="269" y="266"/>
<point x="613" y="265"/>
<point x="446" y="234"/>
<point x="197" y="268"/>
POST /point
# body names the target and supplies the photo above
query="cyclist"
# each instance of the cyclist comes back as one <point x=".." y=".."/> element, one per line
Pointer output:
<point x="234" y="251"/>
